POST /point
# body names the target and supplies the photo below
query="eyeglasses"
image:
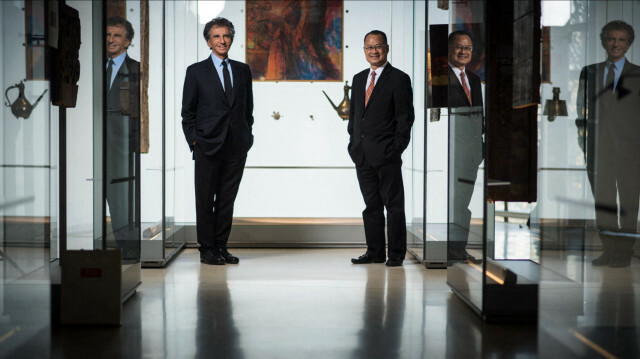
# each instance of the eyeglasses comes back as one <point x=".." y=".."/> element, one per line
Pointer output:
<point x="377" y="47"/>
<point x="462" y="48"/>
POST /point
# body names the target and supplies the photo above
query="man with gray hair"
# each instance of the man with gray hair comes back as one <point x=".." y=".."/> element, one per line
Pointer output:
<point x="217" y="118"/>
<point x="608" y="104"/>
<point x="122" y="145"/>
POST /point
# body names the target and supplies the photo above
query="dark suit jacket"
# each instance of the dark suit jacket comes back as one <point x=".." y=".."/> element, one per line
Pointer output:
<point x="207" y="116"/>
<point x="123" y="110"/>
<point x="611" y="121"/>
<point x="379" y="133"/>
<point x="457" y="97"/>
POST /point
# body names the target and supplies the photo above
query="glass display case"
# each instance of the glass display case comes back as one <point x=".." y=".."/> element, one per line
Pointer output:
<point x="28" y="178"/>
<point x="145" y="175"/>
<point x="588" y="169"/>
<point x="490" y="126"/>
<point x="162" y="235"/>
<point x="415" y="160"/>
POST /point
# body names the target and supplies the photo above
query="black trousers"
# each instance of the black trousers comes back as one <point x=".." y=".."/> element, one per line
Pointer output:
<point x="216" y="183"/>
<point x="122" y="189"/>
<point x="382" y="188"/>
<point x="122" y="198"/>
<point x="465" y="156"/>
<point x="464" y="175"/>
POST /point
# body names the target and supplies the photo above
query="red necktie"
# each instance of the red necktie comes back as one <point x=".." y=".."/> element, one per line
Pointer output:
<point x="370" y="88"/>
<point x="465" y="87"/>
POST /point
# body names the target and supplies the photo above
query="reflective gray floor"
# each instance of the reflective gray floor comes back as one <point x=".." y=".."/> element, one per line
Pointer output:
<point x="296" y="303"/>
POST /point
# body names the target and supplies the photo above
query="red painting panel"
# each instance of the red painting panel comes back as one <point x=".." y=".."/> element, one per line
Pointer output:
<point x="295" y="40"/>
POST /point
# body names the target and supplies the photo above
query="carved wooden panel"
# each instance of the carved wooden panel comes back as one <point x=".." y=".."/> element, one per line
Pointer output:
<point x="512" y="91"/>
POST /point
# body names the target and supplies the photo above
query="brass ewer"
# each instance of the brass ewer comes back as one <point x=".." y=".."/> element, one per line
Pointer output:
<point x="21" y="107"/>
<point x="343" y="108"/>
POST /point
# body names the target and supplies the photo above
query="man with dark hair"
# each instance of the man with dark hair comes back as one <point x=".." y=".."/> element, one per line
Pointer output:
<point x="218" y="22"/>
<point x="380" y="121"/>
<point x="608" y="104"/>
<point x="617" y="25"/>
<point x="465" y="128"/>
<point x="123" y="137"/>
<point x="217" y="118"/>
<point x="117" y="21"/>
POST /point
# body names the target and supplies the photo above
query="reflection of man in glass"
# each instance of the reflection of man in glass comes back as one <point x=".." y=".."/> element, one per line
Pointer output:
<point x="465" y="106"/>
<point x="122" y="140"/>
<point x="608" y="105"/>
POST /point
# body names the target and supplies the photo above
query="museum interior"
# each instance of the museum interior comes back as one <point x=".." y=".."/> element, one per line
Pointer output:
<point x="98" y="242"/>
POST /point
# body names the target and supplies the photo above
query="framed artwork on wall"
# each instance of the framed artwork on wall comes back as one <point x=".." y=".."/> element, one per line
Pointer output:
<point x="545" y="73"/>
<point x="295" y="40"/>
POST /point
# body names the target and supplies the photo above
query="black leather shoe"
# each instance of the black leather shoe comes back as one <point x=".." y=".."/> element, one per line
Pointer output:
<point x="394" y="262"/>
<point x="472" y="260"/>
<point x="228" y="257"/>
<point x="603" y="260"/>
<point x="212" y="258"/>
<point x="366" y="259"/>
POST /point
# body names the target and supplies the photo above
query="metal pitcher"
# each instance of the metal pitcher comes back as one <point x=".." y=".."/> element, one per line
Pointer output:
<point x="343" y="108"/>
<point x="21" y="107"/>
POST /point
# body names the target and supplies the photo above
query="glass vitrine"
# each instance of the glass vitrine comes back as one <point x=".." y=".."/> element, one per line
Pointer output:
<point x="28" y="205"/>
<point x="587" y="207"/>
<point x="162" y="236"/>
<point x="490" y="114"/>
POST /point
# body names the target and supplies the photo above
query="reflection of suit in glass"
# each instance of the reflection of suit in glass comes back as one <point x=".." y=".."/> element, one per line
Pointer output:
<point x="465" y="157"/>
<point x="611" y="145"/>
<point x="122" y="155"/>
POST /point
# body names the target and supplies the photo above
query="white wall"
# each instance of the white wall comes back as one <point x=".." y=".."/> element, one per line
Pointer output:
<point x="25" y="146"/>
<point x="295" y="139"/>
<point x="182" y="22"/>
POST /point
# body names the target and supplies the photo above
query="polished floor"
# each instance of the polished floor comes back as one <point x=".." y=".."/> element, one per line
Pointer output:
<point x="295" y="303"/>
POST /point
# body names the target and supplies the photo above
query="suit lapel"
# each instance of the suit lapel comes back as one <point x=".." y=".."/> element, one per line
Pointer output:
<point x="384" y="76"/>
<point x="213" y="78"/>
<point x="622" y="89"/>
<point x="237" y="79"/>
<point x="454" y="83"/>
<point x="359" y="90"/>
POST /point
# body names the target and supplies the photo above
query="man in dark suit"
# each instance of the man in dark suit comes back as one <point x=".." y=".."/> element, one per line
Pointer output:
<point x="380" y="121"/>
<point x="608" y="104"/>
<point x="123" y="138"/>
<point x="217" y="117"/>
<point x="465" y="151"/>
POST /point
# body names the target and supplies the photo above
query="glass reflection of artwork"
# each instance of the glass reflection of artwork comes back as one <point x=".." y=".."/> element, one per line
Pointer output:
<point x="289" y="40"/>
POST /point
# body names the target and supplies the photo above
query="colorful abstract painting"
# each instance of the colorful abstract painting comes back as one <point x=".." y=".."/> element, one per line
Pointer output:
<point x="295" y="40"/>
